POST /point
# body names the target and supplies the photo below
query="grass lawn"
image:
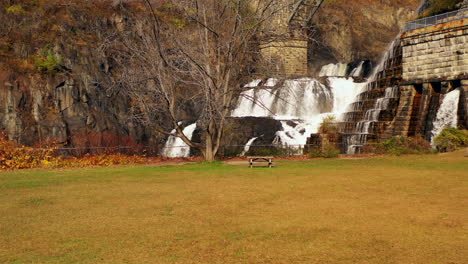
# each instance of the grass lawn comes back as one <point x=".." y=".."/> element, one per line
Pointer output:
<point x="411" y="209"/>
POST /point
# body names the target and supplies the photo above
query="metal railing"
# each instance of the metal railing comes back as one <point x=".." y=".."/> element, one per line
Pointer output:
<point x="225" y="151"/>
<point x="438" y="19"/>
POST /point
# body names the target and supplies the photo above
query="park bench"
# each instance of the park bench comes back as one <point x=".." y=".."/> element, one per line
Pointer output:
<point x="260" y="159"/>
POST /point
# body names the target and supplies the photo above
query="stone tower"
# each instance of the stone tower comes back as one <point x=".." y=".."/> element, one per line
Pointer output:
<point x="285" y="49"/>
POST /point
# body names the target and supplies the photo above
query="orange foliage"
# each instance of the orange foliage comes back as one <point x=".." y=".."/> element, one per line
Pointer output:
<point x="102" y="160"/>
<point x="15" y="156"/>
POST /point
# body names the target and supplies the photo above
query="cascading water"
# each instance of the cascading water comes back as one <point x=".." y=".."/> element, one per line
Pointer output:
<point x="364" y="127"/>
<point x="247" y="146"/>
<point x="175" y="147"/>
<point x="344" y="92"/>
<point x="295" y="99"/>
<point x="334" y="70"/>
<point x="447" y="116"/>
<point x="365" y="124"/>
<point x="386" y="61"/>
<point x="358" y="71"/>
<point x="300" y="104"/>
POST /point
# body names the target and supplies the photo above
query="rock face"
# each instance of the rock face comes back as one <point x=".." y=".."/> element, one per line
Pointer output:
<point x="67" y="109"/>
<point x="357" y="30"/>
<point x="464" y="4"/>
<point x="76" y="105"/>
<point x="80" y="106"/>
<point x="240" y="130"/>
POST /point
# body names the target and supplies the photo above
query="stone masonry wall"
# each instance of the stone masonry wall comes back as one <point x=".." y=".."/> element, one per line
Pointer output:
<point x="438" y="52"/>
<point x="287" y="57"/>
<point x="401" y="123"/>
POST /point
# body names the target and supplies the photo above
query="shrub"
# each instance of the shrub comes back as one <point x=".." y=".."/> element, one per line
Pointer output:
<point x="370" y="149"/>
<point x="328" y="125"/>
<point x="316" y="153"/>
<point x="13" y="156"/>
<point x="266" y="151"/>
<point x="403" y="145"/>
<point x="451" y="139"/>
<point x="47" y="61"/>
<point x="102" y="160"/>
<point x="440" y="6"/>
<point x="179" y="23"/>
<point x="16" y="10"/>
<point x="328" y="151"/>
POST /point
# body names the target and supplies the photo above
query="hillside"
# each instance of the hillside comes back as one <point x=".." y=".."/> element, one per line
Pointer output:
<point x="358" y="30"/>
<point x="57" y="80"/>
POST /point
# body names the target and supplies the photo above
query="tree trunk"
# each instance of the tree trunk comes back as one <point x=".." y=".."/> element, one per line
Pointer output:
<point x="209" y="153"/>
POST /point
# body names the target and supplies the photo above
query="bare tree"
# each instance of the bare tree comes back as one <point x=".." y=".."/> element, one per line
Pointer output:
<point x="192" y="51"/>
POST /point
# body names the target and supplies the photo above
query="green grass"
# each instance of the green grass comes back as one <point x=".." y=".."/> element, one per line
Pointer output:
<point x="409" y="209"/>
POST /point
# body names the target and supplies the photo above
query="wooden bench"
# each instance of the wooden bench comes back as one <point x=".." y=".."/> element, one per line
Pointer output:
<point x="260" y="159"/>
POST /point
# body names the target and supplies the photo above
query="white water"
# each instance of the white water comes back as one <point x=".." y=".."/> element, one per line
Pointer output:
<point x="304" y="101"/>
<point x="363" y="128"/>
<point x="358" y="71"/>
<point x="344" y="92"/>
<point x="295" y="99"/>
<point x="385" y="62"/>
<point x="175" y="147"/>
<point x="334" y="70"/>
<point x="447" y="114"/>
<point x="366" y="125"/>
<point x="247" y="146"/>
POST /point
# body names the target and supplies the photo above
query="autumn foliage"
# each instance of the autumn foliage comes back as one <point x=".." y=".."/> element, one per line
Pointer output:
<point x="15" y="156"/>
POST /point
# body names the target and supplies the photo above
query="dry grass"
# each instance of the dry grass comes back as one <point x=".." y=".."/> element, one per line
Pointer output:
<point x="409" y="209"/>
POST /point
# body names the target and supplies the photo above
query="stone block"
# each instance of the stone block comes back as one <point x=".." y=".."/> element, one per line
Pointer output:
<point x="434" y="45"/>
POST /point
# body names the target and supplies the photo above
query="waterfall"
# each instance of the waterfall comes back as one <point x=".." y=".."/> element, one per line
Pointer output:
<point x="247" y="146"/>
<point x="447" y="114"/>
<point x="366" y="125"/>
<point x="334" y="70"/>
<point x="175" y="147"/>
<point x="358" y="71"/>
<point x="295" y="99"/>
<point x="386" y="60"/>
<point x="295" y="137"/>
<point x="300" y="105"/>
<point x="344" y="92"/>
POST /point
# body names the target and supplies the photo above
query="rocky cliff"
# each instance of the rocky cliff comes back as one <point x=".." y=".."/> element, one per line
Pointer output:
<point x="57" y="83"/>
<point x="348" y="31"/>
